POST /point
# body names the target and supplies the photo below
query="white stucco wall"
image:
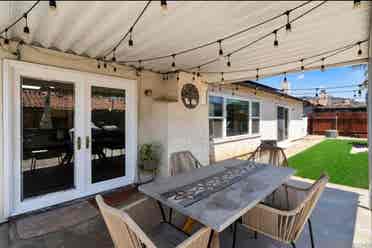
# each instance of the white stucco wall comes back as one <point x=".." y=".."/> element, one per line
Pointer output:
<point x="169" y="124"/>
<point x="232" y="147"/>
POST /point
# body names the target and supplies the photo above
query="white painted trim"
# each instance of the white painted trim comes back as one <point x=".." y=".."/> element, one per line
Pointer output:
<point x="11" y="71"/>
<point x="249" y="135"/>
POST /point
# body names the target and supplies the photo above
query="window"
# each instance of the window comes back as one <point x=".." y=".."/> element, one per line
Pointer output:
<point x="255" y="117"/>
<point x="215" y="116"/>
<point x="230" y="117"/>
<point x="237" y="117"/>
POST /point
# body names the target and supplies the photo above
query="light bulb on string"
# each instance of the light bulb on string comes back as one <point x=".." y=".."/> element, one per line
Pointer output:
<point x="98" y="64"/>
<point x="130" y="41"/>
<point x="220" y="51"/>
<point x="288" y="26"/>
<point x="222" y="78"/>
<point x="228" y="60"/>
<point x="104" y="63"/>
<point x="276" y="42"/>
<point x="178" y="76"/>
<point x="302" y="65"/>
<point x="316" y="92"/>
<point x="257" y="76"/>
<point x="198" y="73"/>
<point x="164" y="5"/>
<point x="114" y="55"/>
<point x="193" y="76"/>
<point x="360" y="52"/>
<point x="285" y="78"/>
<point x="26" y="29"/>
<point x="357" y="4"/>
<point x="322" y="67"/>
<point x="6" y="40"/>
<point x="52" y="7"/>
<point x="174" y="62"/>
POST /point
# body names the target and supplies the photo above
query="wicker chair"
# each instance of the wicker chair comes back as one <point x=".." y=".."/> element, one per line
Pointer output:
<point x="183" y="161"/>
<point x="284" y="223"/>
<point x="139" y="225"/>
<point x="269" y="154"/>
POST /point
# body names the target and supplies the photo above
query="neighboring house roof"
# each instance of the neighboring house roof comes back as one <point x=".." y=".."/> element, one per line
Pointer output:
<point x="254" y="85"/>
<point x="340" y="108"/>
<point x="35" y="99"/>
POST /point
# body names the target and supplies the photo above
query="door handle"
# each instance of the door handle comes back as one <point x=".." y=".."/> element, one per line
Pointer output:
<point x="87" y="142"/>
<point x="78" y="143"/>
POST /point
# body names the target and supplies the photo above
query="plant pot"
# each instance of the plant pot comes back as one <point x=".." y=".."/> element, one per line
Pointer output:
<point x="149" y="164"/>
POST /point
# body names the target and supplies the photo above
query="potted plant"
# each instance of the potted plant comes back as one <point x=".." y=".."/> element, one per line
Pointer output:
<point x="148" y="157"/>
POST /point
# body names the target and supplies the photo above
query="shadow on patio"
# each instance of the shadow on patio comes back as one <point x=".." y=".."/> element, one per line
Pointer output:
<point x="340" y="220"/>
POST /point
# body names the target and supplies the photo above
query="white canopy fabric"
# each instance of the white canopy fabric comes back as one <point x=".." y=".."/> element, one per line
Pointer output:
<point x="93" y="28"/>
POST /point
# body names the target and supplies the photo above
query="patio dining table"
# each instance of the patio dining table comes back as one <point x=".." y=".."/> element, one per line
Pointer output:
<point x="219" y="194"/>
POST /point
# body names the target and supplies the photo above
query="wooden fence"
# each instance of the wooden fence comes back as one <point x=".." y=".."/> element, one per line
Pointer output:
<point x="352" y="124"/>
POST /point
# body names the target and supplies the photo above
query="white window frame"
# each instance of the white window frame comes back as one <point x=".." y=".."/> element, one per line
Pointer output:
<point x="249" y="135"/>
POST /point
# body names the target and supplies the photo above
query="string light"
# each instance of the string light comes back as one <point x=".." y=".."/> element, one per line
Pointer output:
<point x="115" y="69"/>
<point x="228" y="60"/>
<point x="130" y="41"/>
<point x="114" y="56"/>
<point x="222" y="78"/>
<point x="26" y="29"/>
<point x="255" y="90"/>
<point x="257" y="77"/>
<point x="354" y="93"/>
<point x="98" y="64"/>
<point x="359" y="49"/>
<point x="193" y="76"/>
<point x="322" y="67"/>
<point x="163" y="5"/>
<point x="198" y="73"/>
<point x="52" y="5"/>
<point x="104" y="63"/>
<point x="240" y="32"/>
<point x="316" y="92"/>
<point x="285" y="78"/>
<point x="178" y="76"/>
<point x="357" y="4"/>
<point x="276" y="42"/>
<point x="220" y="51"/>
<point x="360" y="92"/>
<point x="302" y="65"/>
<point x="174" y="62"/>
<point x="288" y="26"/>
<point x="6" y="40"/>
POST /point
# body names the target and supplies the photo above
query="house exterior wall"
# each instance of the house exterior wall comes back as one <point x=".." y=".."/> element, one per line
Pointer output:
<point x="168" y="124"/>
<point x="235" y="146"/>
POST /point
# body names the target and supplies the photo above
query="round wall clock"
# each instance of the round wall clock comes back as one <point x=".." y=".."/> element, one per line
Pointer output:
<point x="190" y="96"/>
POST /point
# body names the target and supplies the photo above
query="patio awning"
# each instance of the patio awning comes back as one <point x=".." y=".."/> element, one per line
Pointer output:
<point x="93" y="28"/>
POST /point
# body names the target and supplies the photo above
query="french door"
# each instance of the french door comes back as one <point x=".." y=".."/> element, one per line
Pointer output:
<point x="68" y="134"/>
<point x="282" y="116"/>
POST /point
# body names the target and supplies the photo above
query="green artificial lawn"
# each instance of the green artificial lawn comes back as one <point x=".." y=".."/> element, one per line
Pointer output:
<point x="334" y="158"/>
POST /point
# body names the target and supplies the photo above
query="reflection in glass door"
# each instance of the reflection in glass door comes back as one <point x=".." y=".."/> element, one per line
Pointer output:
<point x="108" y="109"/>
<point x="47" y="130"/>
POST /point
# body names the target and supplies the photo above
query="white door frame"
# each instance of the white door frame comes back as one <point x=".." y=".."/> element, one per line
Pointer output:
<point x="12" y="71"/>
<point x="130" y="151"/>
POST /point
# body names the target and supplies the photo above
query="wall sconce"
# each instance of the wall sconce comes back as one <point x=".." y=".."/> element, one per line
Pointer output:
<point x="148" y="92"/>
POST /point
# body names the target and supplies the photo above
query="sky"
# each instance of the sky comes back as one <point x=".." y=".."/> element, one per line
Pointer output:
<point x="340" y="76"/>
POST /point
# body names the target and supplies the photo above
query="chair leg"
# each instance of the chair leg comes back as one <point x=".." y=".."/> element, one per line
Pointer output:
<point x="311" y="234"/>
<point x="234" y="234"/>
<point x="293" y="244"/>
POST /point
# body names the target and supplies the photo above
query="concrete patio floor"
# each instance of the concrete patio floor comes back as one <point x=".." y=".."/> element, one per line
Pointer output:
<point x="341" y="219"/>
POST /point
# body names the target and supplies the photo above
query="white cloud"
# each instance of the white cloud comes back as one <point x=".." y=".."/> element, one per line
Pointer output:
<point x="301" y="76"/>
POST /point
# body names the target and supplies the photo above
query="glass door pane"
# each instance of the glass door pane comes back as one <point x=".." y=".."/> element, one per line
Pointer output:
<point x="47" y="130"/>
<point x="108" y="108"/>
